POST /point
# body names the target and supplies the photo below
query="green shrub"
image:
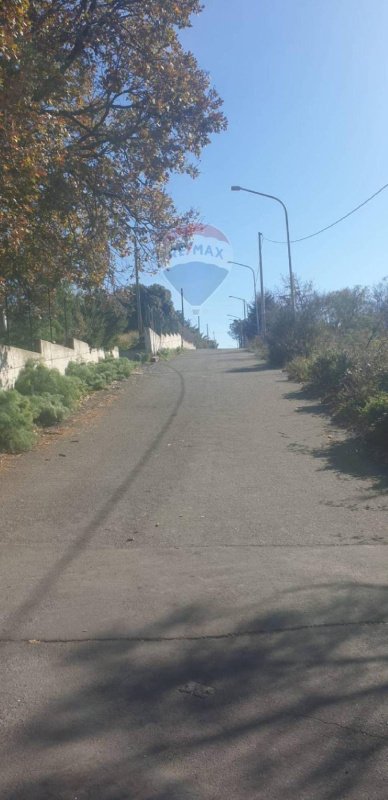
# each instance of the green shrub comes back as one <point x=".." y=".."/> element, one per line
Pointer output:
<point x="328" y="371"/>
<point x="123" y="367"/>
<point x="107" y="370"/>
<point x="299" y="369"/>
<point x="36" y="379"/>
<point x="289" y="336"/>
<point x="97" y="376"/>
<point x="17" y="431"/>
<point x="165" y="353"/>
<point x="87" y="374"/>
<point x="48" y="409"/>
<point x="374" y="416"/>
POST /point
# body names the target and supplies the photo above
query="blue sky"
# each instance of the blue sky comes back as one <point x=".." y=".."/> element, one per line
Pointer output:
<point x="304" y="84"/>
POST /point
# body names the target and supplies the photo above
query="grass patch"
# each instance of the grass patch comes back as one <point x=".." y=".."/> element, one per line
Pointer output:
<point x="166" y="353"/>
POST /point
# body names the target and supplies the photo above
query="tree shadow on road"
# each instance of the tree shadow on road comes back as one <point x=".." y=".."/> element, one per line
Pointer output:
<point x="261" y="367"/>
<point x="293" y="709"/>
<point x="344" y="453"/>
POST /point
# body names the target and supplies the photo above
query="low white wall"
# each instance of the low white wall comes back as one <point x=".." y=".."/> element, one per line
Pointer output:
<point x="13" y="359"/>
<point x="168" y="341"/>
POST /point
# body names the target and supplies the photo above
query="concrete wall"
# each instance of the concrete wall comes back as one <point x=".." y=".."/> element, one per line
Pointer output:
<point x="13" y="359"/>
<point x="154" y="342"/>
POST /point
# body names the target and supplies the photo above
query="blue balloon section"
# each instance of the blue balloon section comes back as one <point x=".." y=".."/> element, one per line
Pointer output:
<point x="197" y="279"/>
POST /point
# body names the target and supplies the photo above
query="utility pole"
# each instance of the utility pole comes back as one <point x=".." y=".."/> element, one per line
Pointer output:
<point x="138" y="298"/>
<point x="182" y="308"/>
<point x="6" y="320"/>
<point x="207" y="330"/>
<point x="199" y="325"/>
<point x="183" y="318"/>
<point x="262" y="295"/>
<point x="49" y="314"/>
<point x="65" y="319"/>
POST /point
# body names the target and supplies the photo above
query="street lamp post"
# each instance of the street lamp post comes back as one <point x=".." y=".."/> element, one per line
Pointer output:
<point x="138" y="296"/>
<point x="233" y="296"/>
<point x="278" y="200"/>
<point x="262" y="294"/>
<point x="245" y="303"/>
<point x="237" y="263"/>
<point x="183" y="318"/>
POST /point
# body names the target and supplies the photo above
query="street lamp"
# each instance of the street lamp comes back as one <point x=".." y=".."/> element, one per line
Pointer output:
<point x="233" y="296"/>
<point x="237" y="263"/>
<point x="278" y="200"/>
<point x="262" y="293"/>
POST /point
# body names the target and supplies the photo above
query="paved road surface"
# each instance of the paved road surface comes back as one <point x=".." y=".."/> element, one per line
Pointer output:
<point x="193" y="599"/>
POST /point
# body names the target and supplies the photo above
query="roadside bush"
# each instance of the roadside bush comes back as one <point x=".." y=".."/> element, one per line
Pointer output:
<point x="299" y="369"/>
<point x="328" y="371"/>
<point x="37" y="379"/>
<point x="374" y="417"/>
<point x="17" y="431"/>
<point x="87" y="375"/>
<point x="123" y="368"/>
<point x="290" y="336"/>
<point x="48" y="409"/>
<point x="107" y="370"/>
<point x="98" y="376"/>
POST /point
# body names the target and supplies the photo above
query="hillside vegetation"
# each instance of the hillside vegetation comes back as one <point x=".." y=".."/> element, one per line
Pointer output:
<point x="336" y="344"/>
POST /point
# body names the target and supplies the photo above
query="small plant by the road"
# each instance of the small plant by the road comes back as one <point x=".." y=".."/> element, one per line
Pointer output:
<point x="16" y="422"/>
<point x="327" y="372"/>
<point x="48" y="409"/>
<point x="165" y="353"/>
<point x="43" y="397"/>
<point x="87" y="374"/>
<point x="37" y="379"/>
<point x="299" y="369"/>
<point x="98" y="376"/>
<point x="374" y="415"/>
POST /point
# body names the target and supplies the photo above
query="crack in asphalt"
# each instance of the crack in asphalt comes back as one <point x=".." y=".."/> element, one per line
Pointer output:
<point x="268" y="546"/>
<point x="193" y="638"/>
<point x="347" y="728"/>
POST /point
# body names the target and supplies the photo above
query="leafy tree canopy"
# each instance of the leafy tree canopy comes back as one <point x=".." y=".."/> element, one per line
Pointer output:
<point x="101" y="104"/>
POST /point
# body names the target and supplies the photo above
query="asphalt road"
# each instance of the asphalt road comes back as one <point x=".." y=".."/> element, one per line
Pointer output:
<point x="193" y="598"/>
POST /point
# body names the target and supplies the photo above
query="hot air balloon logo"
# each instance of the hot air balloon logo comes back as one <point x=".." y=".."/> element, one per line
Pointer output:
<point x="200" y="265"/>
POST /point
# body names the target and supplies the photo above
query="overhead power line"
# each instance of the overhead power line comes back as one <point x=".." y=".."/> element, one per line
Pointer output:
<point x="337" y="221"/>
